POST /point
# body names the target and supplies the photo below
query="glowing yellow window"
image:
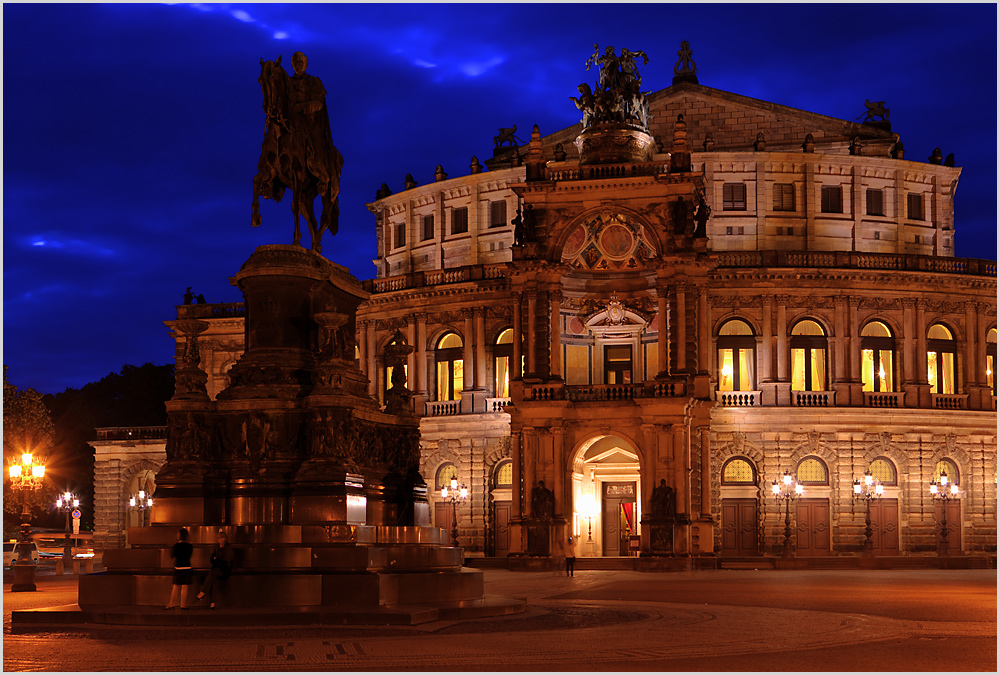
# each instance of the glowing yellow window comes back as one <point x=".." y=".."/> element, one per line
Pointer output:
<point x="503" y="350"/>
<point x="450" y="368"/>
<point x="808" y="346"/>
<point x="877" y="349"/>
<point x="941" y="352"/>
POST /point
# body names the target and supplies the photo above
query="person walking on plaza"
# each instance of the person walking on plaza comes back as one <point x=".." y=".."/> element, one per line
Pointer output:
<point x="222" y="566"/>
<point x="181" y="553"/>
<point x="570" y="556"/>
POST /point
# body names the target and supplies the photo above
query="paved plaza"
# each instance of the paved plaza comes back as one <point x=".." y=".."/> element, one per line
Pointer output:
<point x="739" y="620"/>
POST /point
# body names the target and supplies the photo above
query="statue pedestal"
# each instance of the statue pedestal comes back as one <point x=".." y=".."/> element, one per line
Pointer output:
<point x="612" y="143"/>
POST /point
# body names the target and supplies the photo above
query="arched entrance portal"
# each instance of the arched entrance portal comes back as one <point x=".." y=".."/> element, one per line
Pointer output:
<point x="606" y="489"/>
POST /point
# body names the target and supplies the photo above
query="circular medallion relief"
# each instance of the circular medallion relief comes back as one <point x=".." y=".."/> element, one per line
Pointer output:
<point x="574" y="244"/>
<point x="616" y="241"/>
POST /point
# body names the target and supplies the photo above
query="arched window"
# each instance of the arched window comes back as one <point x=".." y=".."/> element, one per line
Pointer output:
<point x="808" y="345"/>
<point x="948" y="468"/>
<point x="738" y="471"/>
<point x="877" y="357"/>
<point x="503" y="475"/>
<point x="883" y="470"/>
<point x="991" y="360"/>
<point x="444" y="474"/>
<point x="737" y="356"/>
<point x="812" y="471"/>
<point x="941" y="362"/>
<point x="450" y="370"/>
<point x="503" y="350"/>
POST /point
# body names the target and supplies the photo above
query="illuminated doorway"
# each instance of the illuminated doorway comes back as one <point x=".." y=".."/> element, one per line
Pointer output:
<point x="606" y="488"/>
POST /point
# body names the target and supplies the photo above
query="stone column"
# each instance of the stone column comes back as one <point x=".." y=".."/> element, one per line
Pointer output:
<point x="971" y="351"/>
<point x="480" y="348"/>
<point x="563" y="505"/>
<point x="555" y="299"/>
<point x="468" y="364"/>
<point x="411" y="358"/>
<point x="532" y="313"/>
<point x="423" y="387"/>
<point x="680" y="328"/>
<point x="529" y="449"/>
<point x="661" y="326"/>
<point x="706" y="472"/>
<point x="921" y="331"/>
<point x="517" y="474"/>
<point x="515" y="365"/>
<point x="704" y="330"/>
<point x="855" y="339"/>
<point x="765" y="370"/>
<point x="781" y="331"/>
<point x="681" y="461"/>
<point x="839" y="370"/>
<point x="362" y="341"/>
<point x="372" y="368"/>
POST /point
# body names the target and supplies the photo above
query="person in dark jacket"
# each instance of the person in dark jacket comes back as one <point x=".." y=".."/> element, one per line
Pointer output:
<point x="181" y="553"/>
<point x="222" y="566"/>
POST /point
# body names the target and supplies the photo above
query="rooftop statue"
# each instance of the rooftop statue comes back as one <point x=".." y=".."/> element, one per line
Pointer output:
<point x="618" y="97"/>
<point x="298" y="151"/>
<point x="873" y="110"/>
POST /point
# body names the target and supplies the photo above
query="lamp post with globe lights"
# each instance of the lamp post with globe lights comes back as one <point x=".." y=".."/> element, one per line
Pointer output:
<point x="943" y="491"/>
<point x="788" y="489"/>
<point x="67" y="502"/>
<point x="25" y="476"/>
<point x="454" y="494"/>
<point x="868" y="488"/>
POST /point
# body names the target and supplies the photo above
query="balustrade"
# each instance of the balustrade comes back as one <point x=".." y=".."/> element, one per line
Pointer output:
<point x="738" y="398"/>
<point x="440" y="408"/>
<point x="496" y="405"/>
<point x="813" y="398"/>
<point x="132" y="433"/>
<point x="604" y="392"/>
<point x="849" y="259"/>
<point x="884" y="399"/>
<point x="950" y="401"/>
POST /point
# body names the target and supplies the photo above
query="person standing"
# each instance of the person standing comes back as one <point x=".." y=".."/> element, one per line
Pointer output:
<point x="181" y="553"/>
<point x="222" y="566"/>
<point x="570" y="556"/>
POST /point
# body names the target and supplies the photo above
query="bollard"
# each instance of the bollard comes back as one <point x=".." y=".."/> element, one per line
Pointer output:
<point x="60" y="567"/>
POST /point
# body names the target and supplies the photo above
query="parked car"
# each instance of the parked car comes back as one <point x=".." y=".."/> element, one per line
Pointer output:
<point x="10" y="555"/>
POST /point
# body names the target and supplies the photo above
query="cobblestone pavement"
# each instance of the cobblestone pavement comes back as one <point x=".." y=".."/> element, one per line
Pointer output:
<point x="599" y="620"/>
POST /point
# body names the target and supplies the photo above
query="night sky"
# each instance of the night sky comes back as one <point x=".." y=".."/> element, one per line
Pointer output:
<point x="132" y="132"/>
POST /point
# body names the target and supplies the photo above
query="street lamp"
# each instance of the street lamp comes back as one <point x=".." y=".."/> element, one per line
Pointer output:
<point x="942" y="492"/>
<point x="788" y="489"/>
<point x="454" y="494"/>
<point x="588" y="507"/>
<point x="67" y="502"/>
<point x="26" y="477"/>
<point x="868" y="488"/>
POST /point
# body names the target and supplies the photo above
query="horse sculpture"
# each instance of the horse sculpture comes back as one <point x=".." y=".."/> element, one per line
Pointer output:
<point x="290" y="158"/>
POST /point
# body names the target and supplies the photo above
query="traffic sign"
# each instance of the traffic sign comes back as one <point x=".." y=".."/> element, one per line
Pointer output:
<point x="76" y="513"/>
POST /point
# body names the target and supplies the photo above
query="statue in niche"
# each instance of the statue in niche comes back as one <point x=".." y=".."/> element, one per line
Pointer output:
<point x="661" y="502"/>
<point x="298" y="151"/>
<point x="701" y="216"/>
<point x="543" y="502"/>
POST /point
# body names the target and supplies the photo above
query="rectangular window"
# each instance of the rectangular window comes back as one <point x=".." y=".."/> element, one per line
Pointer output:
<point x="784" y="197"/>
<point x="498" y="214"/>
<point x="502" y="372"/>
<point x="830" y="199"/>
<point x="460" y="221"/>
<point x="873" y="199"/>
<point x="914" y="207"/>
<point x="618" y="364"/>
<point x="427" y="232"/>
<point x="734" y="197"/>
<point x="400" y="234"/>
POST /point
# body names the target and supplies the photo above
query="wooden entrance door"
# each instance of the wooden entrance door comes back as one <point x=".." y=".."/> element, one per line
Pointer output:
<point x="501" y="528"/>
<point x="739" y="527"/>
<point x="954" y="524"/>
<point x="613" y="519"/>
<point x="885" y="527"/>
<point x="442" y="516"/>
<point x="812" y="527"/>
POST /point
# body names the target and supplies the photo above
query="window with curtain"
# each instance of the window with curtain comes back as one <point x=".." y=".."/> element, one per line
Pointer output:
<point x="808" y="344"/>
<point x="444" y="474"/>
<point x="737" y="349"/>
<point x="877" y="357"/>
<point x="503" y="350"/>
<point x="450" y="367"/>
<point x="991" y="360"/>
<point x="941" y="360"/>
<point x="503" y="475"/>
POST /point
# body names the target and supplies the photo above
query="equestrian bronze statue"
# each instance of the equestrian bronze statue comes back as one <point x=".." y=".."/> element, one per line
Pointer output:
<point x="298" y="151"/>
